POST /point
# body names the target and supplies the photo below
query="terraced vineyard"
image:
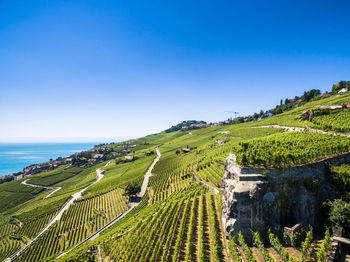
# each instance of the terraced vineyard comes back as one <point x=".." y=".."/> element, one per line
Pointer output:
<point x="290" y="148"/>
<point x="272" y="249"/>
<point x="336" y="121"/>
<point x="162" y="189"/>
<point x="82" y="219"/>
<point x="178" y="218"/>
<point x="185" y="228"/>
<point x="171" y="174"/>
<point x="15" y="234"/>
<point x="53" y="177"/>
<point x="13" y="194"/>
<point x="212" y="173"/>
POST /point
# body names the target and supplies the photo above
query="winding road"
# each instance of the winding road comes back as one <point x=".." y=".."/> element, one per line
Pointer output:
<point x="132" y="204"/>
<point x="58" y="216"/>
<point x="45" y="187"/>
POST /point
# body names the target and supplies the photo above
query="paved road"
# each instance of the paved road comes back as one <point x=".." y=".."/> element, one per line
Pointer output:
<point x="148" y="174"/>
<point x="132" y="206"/>
<point x="45" y="187"/>
<point x="58" y="215"/>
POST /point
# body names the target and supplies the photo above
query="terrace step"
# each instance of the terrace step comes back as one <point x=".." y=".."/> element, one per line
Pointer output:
<point x="250" y="177"/>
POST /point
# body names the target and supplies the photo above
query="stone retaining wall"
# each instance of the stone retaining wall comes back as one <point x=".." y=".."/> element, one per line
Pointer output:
<point x="259" y="198"/>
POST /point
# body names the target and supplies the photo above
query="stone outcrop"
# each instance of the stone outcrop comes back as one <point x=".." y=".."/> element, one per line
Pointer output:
<point x="258" y="198"/>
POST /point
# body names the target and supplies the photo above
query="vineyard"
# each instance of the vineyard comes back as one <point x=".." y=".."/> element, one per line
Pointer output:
<point x="178" y="218"/>
<point x="186" y="227"/>
<point x="15" y="233"/>
<point x="271" y="249"/>
<point x="337" y="121"/>
<point x="82" y="219"/>
<point x="50" y="178"/>
<point x="13" y="194"/>
<point x="287" y="149"/>
<point x="212" y="173"/>
<point x="171" y="174"/>
<point x="293" y="117"/>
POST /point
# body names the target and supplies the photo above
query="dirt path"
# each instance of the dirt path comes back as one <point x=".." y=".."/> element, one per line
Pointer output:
<point x="302" y="129"/>
<point x="212" y="189"/>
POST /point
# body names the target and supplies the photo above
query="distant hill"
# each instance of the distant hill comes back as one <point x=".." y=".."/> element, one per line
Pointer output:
<point x="187" y="125"/>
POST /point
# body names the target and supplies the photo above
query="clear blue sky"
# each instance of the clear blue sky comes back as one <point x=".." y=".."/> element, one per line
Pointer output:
<point x="82" y="70"/>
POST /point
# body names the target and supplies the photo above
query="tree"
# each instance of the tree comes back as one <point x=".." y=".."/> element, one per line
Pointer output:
<point x="340" y="213"/>
<point x="132" y="189"/>
<point x="310" y="95"/>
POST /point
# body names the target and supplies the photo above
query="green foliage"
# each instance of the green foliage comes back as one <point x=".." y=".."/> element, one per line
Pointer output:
<point x="259" y="244"/>
<point x="324" y="247"/>
<point x="340" y="85"/>
<point x="290" y="148"/>
<point x="132" y="189"/>
<point x="294" y="239"/>
<point x="53" y="177"/>
<point x="233" y="248"/>
<point x="83" y="218"/>
<point x="335" y="120"/>
<point x="339" y="176"/>
<point x="14" y="193"/>
<point x="279" y="248"/>
<point x="187" y="125"/>
<point x="177" y="219"/>
<point x="339" y="214"/>
<point x="248" y="253"/>
<point x="305" y="246"/>
<point x="167" y="230"/>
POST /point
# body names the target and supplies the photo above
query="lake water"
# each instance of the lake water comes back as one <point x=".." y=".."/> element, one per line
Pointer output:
<point x="15" y="157"/>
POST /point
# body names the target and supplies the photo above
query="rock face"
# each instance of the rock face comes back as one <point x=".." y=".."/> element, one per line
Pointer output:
<point x="258" y="199"/>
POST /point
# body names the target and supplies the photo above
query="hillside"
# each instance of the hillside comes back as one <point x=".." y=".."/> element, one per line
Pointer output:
<point x="179" y="218"/>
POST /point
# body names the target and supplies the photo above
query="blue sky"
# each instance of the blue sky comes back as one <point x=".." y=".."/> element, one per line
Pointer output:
<point x="87" y="70"/>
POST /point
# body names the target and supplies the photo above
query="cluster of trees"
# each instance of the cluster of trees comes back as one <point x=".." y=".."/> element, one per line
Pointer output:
<point x="339" y="209"/>
<point x="340" y="85"/>
<point x="339" y="214"/>
<point x="288" y="104"/>
<point x="188" y="125"/>
<point x="132" y="189"/>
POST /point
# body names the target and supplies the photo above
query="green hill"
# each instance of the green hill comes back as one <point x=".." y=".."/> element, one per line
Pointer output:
<point x="178" y="219"/>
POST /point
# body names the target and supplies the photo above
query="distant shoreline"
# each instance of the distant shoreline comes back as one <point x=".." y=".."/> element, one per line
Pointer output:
<point x="14" y="157"/>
